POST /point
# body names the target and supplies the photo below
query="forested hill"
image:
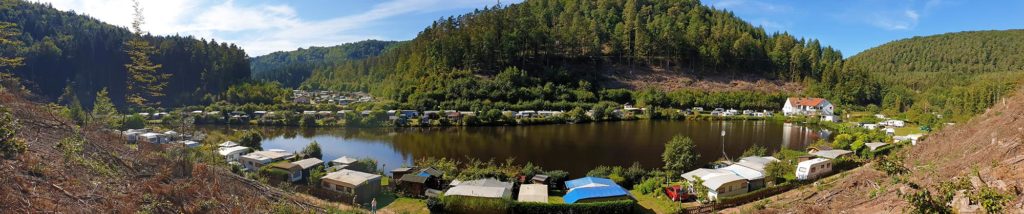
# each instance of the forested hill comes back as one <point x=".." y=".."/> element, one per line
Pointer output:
<point x="63" y="48"/>
<point x="962" y="52"/>
<point x="559" y="51"/>
<point x="293" y="67"/>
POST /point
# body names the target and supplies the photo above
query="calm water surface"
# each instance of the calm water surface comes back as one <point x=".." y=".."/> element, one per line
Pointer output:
<point x="576" y="148"/>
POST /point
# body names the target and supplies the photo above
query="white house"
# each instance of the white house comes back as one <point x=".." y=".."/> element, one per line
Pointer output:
<point x="255" y="160"/>
<point x="482" y="188"/>
<point x="720" y="182"/>
<point x="813" y="169"/>
<point x="231" y="154"/>
<point x="807" y="106"/>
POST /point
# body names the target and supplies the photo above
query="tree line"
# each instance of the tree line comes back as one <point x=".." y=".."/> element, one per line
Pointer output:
<point x="567" y="47"/>
<point x="291" y="68"/>
<point x="66" y="48"/>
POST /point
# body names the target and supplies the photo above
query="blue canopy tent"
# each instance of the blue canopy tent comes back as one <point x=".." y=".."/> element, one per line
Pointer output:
<point x="592" y="188"/>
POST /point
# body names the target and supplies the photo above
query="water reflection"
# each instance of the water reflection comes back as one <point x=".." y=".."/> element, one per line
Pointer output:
<point x="575" y="148"/>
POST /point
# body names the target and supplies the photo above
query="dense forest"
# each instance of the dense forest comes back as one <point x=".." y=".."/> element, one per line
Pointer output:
<point x="954" y="74"/>
<point x="65" y="48"/>
<point x="290" y="68"/>
<point x="547" y="51"/>
<point x="963" y="52"/>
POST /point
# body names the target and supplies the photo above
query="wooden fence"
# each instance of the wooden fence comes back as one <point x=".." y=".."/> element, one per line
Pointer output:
<point x="740" y="200"/>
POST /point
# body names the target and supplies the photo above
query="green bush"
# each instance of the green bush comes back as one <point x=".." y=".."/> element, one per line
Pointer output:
<point x="10" y="144"/>
<point x="892" y="165"/>
<point x="612" y="207"/>
<point x="133" y="122"/>
<point x="992" y="200"/>
<point x="650" y="185"/>
<point x="435" y="206"/>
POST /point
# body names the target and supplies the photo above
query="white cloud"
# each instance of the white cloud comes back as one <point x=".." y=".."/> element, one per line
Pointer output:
<point x="259" y="29"/>
<point x="892" y="20"/>
<point x="912" y="15"/>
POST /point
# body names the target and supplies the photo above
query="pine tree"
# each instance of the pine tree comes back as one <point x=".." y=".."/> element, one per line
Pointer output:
<point x="8" y="32"/>
<point x="103" y="109"/>
<point x="144" y="81"/>
<point x="75" y="110"/>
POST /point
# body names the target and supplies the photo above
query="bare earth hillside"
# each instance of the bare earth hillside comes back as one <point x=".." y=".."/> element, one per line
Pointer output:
<point x="990" y="144"/>
<point x="100" y="173"/>
<point x="640" y="77"/>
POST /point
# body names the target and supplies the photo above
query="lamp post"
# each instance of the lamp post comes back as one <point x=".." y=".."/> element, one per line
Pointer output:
<point x="723" y="145"/>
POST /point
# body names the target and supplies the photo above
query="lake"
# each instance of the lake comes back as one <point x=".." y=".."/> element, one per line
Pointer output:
<point x="576" y="148"/>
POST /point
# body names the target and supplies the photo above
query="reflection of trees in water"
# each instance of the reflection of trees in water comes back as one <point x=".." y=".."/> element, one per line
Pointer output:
<point x="569" y="147"/>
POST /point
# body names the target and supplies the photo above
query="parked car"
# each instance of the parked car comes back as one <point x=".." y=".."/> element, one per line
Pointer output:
<point x="677" y="193"/>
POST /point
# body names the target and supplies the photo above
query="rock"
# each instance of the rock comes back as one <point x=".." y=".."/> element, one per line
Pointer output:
<point x="962" y="204"/>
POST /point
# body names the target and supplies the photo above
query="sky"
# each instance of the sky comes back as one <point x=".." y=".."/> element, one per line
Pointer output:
<point x="856" y="25"/>
<point x="265" y="26"/>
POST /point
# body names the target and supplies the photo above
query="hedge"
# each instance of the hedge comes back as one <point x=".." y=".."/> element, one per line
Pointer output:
<point x="612" y="207"/>
<point x="460" y="204"/>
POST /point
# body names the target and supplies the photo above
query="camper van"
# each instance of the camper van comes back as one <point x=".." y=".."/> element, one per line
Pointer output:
<point x="813" y="169"/>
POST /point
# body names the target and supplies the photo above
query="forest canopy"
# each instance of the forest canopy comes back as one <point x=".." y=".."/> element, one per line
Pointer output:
<point x="65" y="48"/>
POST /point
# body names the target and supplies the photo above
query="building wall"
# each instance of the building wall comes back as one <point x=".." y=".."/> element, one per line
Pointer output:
<point x="755" y="185"/>
<point x="737" y="187"/>
<point x="366" y="192"/>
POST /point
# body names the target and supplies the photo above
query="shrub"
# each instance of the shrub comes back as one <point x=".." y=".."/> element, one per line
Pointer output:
<point x="755" y="150"/>
<point x="313" y="150"/>
<point x="557" y="177"/>
<point x="650" y="185"/>
<point x="991" y="199"/>
<point x="435" y="206"/>
<point x="600" y="171"/>
<point x="10" y="144"/>
<point x="133" y="122"/>
<point x="924" y="202"/>
<point x="892" y="165"/>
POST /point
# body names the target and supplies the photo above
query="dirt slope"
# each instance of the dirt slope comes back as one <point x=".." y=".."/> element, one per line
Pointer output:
<point x="107" y="176"/>
<point x="990" y="143"/>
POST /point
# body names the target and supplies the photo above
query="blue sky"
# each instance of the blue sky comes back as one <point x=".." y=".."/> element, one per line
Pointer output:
<point x="853" y="26"/>
<point x="264" y="26"/>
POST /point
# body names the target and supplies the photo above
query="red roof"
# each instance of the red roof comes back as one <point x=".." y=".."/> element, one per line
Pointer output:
<point x="798" y="101"/>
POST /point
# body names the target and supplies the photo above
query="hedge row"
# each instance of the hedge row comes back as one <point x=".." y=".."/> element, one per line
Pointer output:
<point x="458" y="204"/>
<point x="611" y="207"/>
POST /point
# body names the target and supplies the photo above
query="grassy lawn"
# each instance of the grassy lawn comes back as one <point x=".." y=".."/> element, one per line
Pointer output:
<point x="910" y="129"/>
<point x="402" y="205"/>
<point x="653" y="204"/>
<point x="556" y="200"/>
